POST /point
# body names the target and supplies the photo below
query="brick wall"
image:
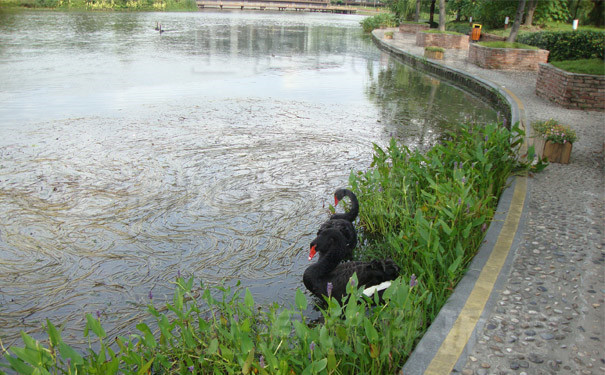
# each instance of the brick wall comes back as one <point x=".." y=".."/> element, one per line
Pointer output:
<point x="506" y="58"/>
<point x="442" y="40"/>
<point x="571" y="90"/>
<point x="413" y="28"/>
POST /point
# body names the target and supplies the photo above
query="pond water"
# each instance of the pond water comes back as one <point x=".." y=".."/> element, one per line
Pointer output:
<point x="213" y="149"/>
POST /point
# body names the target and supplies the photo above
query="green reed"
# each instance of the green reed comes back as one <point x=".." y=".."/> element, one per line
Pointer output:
<point x="229" y="335"/>
<point x="429" y="212"/>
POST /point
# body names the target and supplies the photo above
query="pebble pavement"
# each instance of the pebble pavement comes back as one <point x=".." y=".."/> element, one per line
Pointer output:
<point x="549" y="317"/>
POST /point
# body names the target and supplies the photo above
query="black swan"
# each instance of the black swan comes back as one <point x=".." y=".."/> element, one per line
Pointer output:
<point x="331" y="245"/>
<point x="343" y="222"/>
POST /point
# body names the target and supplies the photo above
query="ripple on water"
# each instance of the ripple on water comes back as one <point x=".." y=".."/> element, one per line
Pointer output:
<point x="98" y="211"/>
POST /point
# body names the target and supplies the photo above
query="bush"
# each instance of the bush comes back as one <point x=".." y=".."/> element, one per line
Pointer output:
<point x="572" y="45"/>
<point x="376" y="22"/>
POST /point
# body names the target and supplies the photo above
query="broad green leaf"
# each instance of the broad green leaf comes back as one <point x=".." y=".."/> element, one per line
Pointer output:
<point x="301" y="300"/>
<point x="143" y="370"/>
<point x="248" y="362"/>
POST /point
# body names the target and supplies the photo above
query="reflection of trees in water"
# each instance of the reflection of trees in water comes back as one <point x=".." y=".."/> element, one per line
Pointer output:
<point x="417" y="108"/>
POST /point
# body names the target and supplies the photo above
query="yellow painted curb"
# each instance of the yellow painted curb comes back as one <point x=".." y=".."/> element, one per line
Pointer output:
<point x="453" y="345"/>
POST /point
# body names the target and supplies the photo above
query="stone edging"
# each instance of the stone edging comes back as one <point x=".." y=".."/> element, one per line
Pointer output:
<point x="425" y="352"/>
<point x="492" y="93"/>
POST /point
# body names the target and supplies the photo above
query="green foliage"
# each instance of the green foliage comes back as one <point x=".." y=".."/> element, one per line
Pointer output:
<point x="571" y="45"/>
<point x="583" y="66"/>
<point x="429" y="211"/>
<point x="552" y="130"/>
<point x="436" y="31"/>
<point x="459" y="27"/>
<point x="551" y="11"/>
<point x="380" y="20"/>
<point x="227" y="334"/>
<point x="497" y="44"/>
<point x="434" y="49"/>
<point x="402" y="9"/>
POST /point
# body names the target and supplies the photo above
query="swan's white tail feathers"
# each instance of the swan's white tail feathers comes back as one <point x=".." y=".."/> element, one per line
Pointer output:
<point x="376" y="288"/>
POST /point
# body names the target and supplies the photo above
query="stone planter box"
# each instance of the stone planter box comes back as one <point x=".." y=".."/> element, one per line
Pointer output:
<point x="571" y="90"/>
<point x="506" y="58"/>
<point x="436" y="55"/>
<point x="442" y="40"/>
<point x="413" y="28"/>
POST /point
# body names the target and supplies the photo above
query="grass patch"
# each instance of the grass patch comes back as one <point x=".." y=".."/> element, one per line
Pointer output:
<point x="584" y="66"/>
<point x="498" y="44"/>
<point x="434" y="49"/>
<point x="436" y="31"/>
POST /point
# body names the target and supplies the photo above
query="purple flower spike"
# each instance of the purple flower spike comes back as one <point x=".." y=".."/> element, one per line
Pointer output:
<point x="463" y="179"/>
<point x="329" y="289"/>
<point x="312" y="346"/>
<point x="150" y="295"/>
<point x="191" y="368"/>
<point x="504" y="122"/>
<point x="484" y="227"/>
<point x="413" y="281"/>
<point x="98" y="314"/>
<point x="262" y="361"/>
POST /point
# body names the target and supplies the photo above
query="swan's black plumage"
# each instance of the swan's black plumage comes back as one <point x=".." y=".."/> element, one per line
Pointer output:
<point x="343" y="222"/>
<point x="331" y="246"/>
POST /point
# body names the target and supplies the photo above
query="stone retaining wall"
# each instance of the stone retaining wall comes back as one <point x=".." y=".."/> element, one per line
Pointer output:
<point x="442" y="40"/>
<point x="506" y="58"/>
<point x="571" y="90"/>
<point x="413" y="28"/>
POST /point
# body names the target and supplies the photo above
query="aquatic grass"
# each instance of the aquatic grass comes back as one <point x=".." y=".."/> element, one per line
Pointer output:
<point x="429" y="212"/>
<point x="357" y="336"/>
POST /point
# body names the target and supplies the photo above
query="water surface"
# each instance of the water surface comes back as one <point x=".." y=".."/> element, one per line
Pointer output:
<point x="213" y="149"/>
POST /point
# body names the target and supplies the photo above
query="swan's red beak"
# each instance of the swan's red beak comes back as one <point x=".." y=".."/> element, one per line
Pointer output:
<point x="336" y="201"/>
<point x="312" y="252"/>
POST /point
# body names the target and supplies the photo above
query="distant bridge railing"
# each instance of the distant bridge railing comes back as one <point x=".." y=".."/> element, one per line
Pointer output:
<point x="300" y="5"/>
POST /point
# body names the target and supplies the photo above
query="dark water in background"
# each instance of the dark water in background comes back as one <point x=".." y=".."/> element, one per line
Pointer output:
<point x="212" y="150"/>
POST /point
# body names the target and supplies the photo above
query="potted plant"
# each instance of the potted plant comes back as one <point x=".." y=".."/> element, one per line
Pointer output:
<point x="554" y="140"/>
<point x="434" y="52"/>
<point x="388" y="35"/>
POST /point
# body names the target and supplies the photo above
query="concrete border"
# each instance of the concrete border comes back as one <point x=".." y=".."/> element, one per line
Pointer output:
<point x="452" y="335"/>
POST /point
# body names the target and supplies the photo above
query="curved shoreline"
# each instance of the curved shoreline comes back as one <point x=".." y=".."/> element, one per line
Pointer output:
<point x="453" y="333"/>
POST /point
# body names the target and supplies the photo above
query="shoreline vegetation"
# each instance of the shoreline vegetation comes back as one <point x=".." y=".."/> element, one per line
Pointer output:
<point x="101" y="5"/>
<point x="427" y="211"/>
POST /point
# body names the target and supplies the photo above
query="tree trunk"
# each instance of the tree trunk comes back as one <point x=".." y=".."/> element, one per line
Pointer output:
<point x="441" y="15"/>
<point x="417" y="14"/>
<point x="531" y="8"/>
<point x="432" y="13"/>
<point x="518" y="17"/>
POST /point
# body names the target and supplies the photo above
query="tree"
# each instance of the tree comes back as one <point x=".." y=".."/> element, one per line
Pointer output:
<point x="417" y="14"/>
<point x="432" y="13"/>
<point x="441" y="15"/>
<point x="531" y="8"/>
<point x="518" y="19"/>
<point x="596" y="14"/>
